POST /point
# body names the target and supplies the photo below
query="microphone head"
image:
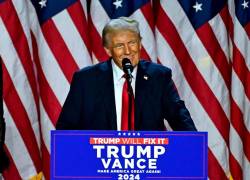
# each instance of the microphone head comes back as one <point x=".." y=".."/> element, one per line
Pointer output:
<point x="127" y="66"/>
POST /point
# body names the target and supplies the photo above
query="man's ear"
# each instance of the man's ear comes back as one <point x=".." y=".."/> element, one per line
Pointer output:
<point x="108" y="51"/>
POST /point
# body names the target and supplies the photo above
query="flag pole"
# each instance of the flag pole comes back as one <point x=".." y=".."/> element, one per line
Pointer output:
<point x="4" y="162"/>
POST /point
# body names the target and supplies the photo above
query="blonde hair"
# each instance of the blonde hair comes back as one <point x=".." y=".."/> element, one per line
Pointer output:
<point x="121" y="23"/>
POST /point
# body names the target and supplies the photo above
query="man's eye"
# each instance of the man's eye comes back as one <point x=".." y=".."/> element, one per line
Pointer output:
<point x="119" y="46"/>
<point x="132" y="43"/>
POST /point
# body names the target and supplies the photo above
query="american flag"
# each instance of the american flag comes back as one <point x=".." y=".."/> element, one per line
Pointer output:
<point x="204" y="42"/>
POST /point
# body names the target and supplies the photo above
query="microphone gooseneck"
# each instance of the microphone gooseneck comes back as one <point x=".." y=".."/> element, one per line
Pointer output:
<point x="128" y="69"/>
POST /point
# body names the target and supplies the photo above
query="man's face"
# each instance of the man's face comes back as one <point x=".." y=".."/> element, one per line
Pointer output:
<point x="124" y="44"/>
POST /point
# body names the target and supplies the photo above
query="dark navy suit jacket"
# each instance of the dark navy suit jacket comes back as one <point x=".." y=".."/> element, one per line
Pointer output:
<point x="90" y="104"/>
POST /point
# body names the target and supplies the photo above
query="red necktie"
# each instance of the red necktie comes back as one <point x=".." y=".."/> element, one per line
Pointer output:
<point x="127" y="108"/>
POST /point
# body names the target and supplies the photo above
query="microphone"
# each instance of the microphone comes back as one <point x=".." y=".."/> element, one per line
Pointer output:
<point x="128" y="69"/>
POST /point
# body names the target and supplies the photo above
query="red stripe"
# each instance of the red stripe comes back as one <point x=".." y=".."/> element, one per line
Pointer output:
<point x="193" y="76"/>
<point x="59" y="49"/>
<point x="213" y="47"/>
<point x="20" y="42"/>
<point x="46" y="161"/>
<point x="241" y="69"/>
<point x="144" y="54"/>
<point x="247" y="29"/>
<point x="96" y="43"/>
<point x="12" y="172"/>
<point x="148" y="14"/>
<point x="77" y="15"/>
<point x="215" y="171"/>
<point x="237" y="121"/>
<point x="49" y="100"/>
<point x="235" y="168"/>
<point x="20" y="118"/>
<point x="226" y="17"/>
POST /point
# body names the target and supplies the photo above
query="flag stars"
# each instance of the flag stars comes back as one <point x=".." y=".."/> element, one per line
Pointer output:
<point x="128" y="134"/>
<point x="43" y="3"/>
<point x="197" y="6"/>
<point x="245" y="4"/>
<point x="118" y="3"/>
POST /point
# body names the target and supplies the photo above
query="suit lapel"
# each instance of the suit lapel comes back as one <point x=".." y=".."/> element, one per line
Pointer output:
<point x="107" y="93"/>
<point x="141" y="90"/>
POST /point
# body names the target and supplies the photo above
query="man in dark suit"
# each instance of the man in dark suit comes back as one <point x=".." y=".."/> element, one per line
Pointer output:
<point x="94" y="100"/>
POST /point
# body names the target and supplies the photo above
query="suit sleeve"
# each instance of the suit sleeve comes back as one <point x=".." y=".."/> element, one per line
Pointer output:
<point x="175" y="111"/>
<point x="71" y="111"/>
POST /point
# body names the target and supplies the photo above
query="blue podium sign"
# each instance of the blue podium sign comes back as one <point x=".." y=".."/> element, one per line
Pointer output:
<point x="128" y="155"/>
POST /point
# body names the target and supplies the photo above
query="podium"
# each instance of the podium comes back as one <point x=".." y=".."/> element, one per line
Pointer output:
<point x="130" y="155"/>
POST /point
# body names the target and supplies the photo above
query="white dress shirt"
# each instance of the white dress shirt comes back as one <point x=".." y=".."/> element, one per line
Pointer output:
<point x="118" y="86"/>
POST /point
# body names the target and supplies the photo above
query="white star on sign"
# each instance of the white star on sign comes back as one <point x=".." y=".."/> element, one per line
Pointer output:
<point x="245" y="4"/>
<point x="197" y="7"/>
<point x="43" y="3"/>
<point x="118" y="3"/>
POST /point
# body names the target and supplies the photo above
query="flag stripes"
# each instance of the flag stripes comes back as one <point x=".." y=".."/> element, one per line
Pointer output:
<point x="197" y="83"/>
<point x="209" y="40"/>
<point x="12" y="169"/>
<point x="20" y="43"/>
<point x="22" y="121"/>
<point x="82" y="28"/>
<point x="47" y="96"/>
<point x="59" y="49"/>
<point x="193" y="75"/>
<point x="204" y="122"/>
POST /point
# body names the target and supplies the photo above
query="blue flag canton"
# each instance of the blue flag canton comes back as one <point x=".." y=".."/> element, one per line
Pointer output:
<point x="46" y="9"/>
<point x="242" y="11"/>
<point x="200" y="12"/>
<point x="118" y="8"/>
<point x="2" y="1"/>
